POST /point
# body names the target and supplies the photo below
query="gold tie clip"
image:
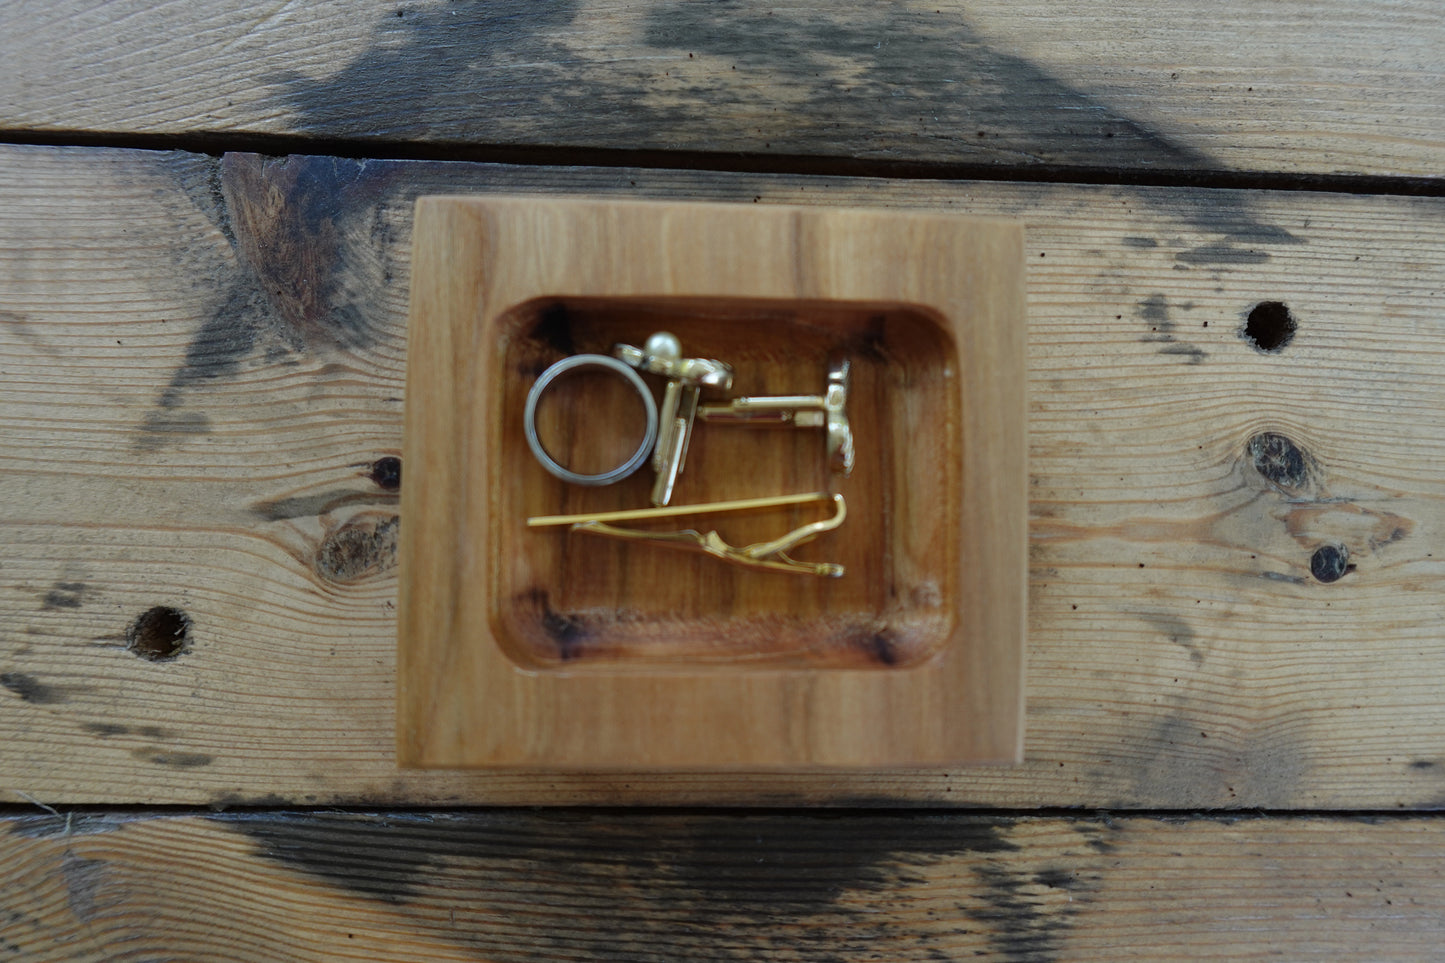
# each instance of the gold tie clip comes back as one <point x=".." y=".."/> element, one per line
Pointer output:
<point x="771" y="555"/>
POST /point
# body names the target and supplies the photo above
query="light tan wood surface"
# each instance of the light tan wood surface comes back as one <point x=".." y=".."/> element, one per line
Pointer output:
<point x="508" y="885"/>
<point x="552" y="650"/>
<point x="1141" y="85"/>
<point x="202" y="367"/>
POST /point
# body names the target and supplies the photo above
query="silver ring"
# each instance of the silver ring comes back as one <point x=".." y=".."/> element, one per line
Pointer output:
<point x="573" y="363"/>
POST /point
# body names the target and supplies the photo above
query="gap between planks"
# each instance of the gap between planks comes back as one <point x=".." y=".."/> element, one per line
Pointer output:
<point x="740" y="162"/>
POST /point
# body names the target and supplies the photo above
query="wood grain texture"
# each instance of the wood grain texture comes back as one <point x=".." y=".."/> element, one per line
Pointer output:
<point x="201" y="368"/>
<point x="1333" y="87"/>
<point x="547" y="649"/>
<point x="507" y="885"/>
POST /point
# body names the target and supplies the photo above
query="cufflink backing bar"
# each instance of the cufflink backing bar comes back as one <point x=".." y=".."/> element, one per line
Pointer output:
<point x="827" y="410"/>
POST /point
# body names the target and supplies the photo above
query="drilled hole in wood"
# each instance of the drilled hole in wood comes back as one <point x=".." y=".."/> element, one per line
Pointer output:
<point x="159" y="634"/>
<point x="386" y="472"/>
<point x="1270" y="326"/>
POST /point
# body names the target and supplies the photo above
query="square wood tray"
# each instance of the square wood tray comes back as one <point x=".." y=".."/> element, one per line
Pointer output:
<point x="544" y="648"/>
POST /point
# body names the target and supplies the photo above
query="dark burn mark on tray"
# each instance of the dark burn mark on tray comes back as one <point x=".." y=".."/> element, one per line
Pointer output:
<point x="870" y="343"/>
<point x="881" y="648"/>
<point x="31" y="689"/>
<point x="554" y="329"/>
<point x="741" y="879"/>
<point x="567" y="632"/>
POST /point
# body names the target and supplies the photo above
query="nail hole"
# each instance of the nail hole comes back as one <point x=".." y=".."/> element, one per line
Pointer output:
<point x="1330" y="562"/>
<point x="386" y="472"/>
<point x="1269" y="326"/>
<point x="159" y="634"/>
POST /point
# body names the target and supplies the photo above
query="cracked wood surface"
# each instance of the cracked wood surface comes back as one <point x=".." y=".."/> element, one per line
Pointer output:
<point x="1329" y="87"/>
<point x="515" y="885"/>
<point x="201" y="373"/>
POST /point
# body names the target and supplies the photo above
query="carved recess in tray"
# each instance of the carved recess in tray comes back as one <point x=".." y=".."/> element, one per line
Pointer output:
<point x="579" y="602"/>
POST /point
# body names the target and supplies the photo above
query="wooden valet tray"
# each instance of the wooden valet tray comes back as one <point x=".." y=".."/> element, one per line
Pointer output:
<point x="546" y="648"/>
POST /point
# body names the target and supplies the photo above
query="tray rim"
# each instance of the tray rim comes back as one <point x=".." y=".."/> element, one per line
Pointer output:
<point x="643" y="720"/>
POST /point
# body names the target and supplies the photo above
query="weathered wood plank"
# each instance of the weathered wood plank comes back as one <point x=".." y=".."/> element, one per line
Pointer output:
<point x="508" y="885"/>
<point x="201" y="367"/>
<point x="1136" y="84"/>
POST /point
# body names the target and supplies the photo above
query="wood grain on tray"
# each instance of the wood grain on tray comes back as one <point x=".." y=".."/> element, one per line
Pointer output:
<point x="520" y="646"/>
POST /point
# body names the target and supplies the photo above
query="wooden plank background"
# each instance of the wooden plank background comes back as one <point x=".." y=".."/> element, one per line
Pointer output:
<point x="1326" y="87"/>
<point x="201" y="357"/>
<point x="204" y="365"/>
<point x="507" y="885"/>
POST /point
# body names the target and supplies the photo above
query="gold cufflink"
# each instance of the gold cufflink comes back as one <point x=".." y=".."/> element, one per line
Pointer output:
<point x="686" y="377"/>
<point x="827" y="410"/>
